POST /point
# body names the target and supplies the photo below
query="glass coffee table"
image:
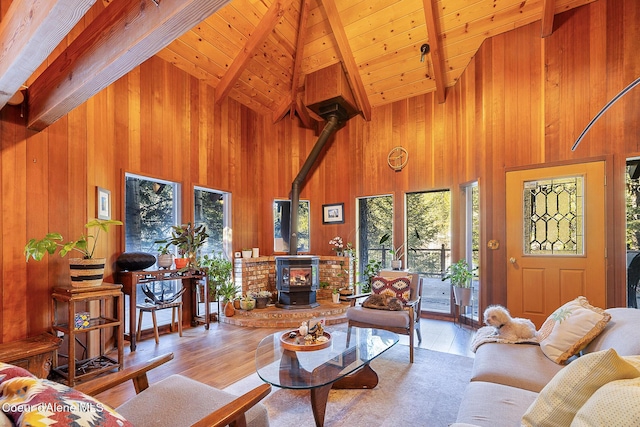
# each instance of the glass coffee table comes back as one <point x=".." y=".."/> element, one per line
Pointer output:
<point x="344" y="364"/>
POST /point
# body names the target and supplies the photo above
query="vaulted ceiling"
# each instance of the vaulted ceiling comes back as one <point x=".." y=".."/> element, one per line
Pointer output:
<point x="257" y="52"/>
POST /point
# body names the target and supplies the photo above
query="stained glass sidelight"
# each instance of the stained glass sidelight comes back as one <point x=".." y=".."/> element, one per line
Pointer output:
<point x="553" y="216"/>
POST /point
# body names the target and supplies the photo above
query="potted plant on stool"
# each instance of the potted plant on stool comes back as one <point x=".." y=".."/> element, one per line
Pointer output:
<point x="460" y="276"/>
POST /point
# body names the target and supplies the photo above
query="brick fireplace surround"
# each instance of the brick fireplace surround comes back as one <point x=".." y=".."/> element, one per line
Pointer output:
<point x="257" y="274"/>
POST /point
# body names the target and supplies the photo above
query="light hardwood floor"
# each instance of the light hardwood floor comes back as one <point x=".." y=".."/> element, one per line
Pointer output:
<point x="225" y="353"/>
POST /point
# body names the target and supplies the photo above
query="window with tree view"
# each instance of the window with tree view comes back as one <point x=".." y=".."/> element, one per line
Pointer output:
<point x="429" y="244"/>
<point x="151" y="209"/>
<point x="209" y="210"/>
<point x="375" y="220"/>
<point x="281" y="220"/>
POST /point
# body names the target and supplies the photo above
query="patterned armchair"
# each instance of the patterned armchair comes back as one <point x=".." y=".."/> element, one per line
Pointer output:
<point x="405" y="322"/>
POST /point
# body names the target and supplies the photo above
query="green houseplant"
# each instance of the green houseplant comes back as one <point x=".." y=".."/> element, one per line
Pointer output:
<point x="460" y="276"/>
<point x="396" y="253"/>
<point x="85" y="271"/>
<point x="228" y="291"/>
<point x="218" y="269"/>
<point x="188" y="239"/>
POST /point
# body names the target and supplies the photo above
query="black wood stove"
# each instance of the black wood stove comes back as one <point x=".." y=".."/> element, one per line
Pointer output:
<point x="297" y="280"/>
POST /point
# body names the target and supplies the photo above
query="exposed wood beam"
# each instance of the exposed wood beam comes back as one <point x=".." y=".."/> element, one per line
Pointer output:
<point x="547" y="18"/>
<point x="123" y="36"/>
<point x="299" y="54"/>
<point x="281" y="110"/>
<point x="29" y="32"/>
<point x="262" y="31"/>
<point x="307" y="121"/>
<point x="347" y="57"/>
<point x="435" y="44"/>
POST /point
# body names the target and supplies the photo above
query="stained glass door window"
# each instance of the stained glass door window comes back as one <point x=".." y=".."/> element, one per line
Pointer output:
<point x="553" y="216"/>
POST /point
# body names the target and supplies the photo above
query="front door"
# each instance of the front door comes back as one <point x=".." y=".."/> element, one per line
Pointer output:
<point x="555" y="238"/>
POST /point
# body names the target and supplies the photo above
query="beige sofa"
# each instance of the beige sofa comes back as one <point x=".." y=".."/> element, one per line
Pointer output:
<point x="507" y="378"/>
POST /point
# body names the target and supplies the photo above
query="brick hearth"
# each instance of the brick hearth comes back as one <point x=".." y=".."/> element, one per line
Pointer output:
<point x="273" y="317"/>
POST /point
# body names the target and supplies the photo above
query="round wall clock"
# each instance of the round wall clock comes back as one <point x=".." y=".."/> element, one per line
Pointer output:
<point x="397" y="158"/>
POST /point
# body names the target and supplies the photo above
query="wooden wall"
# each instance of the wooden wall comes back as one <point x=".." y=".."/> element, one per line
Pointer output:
<point x="522" y="101"/>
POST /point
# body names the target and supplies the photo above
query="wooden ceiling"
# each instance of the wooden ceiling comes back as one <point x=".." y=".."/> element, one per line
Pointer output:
<point x="258" y="52"/>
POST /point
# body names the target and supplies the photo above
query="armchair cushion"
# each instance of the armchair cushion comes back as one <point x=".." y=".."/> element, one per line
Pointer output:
<point x="398" y="287"/>
<point x="380" y="318"/>
<point x="8" y="371"/>
<point x="164" y="403"/>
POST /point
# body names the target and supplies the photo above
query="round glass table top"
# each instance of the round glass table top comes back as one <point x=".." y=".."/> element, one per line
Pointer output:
<point x="347" y="352"/>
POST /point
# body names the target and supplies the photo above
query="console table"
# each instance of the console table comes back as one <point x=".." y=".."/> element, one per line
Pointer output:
<point x="190" y="279"/>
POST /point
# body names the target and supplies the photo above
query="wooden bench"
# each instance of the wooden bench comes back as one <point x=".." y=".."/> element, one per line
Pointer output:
<point x="35" y="354"/>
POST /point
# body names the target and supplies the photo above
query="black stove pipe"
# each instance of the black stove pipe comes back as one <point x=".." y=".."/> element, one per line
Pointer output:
<point x="333" y="124"/>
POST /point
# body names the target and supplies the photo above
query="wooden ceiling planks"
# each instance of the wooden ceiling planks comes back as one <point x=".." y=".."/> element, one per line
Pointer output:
<point x="260" y="58"/>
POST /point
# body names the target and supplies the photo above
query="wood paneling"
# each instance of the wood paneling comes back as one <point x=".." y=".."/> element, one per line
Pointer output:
<point x="521" y="101"/>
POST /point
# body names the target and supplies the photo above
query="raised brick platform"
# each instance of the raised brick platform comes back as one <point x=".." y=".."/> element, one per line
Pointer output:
<point x="273" y="317"/>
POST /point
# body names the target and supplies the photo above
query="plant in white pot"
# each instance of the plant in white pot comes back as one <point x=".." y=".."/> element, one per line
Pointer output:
<point x="85" y="271"/>
<point x="165" y="256"/>
<point x="460" y="276"/>
<point x="396" y="253"/>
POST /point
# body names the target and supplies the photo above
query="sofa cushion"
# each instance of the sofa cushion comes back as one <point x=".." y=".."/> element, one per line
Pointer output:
<point x="30" y="401"/>
<point x="164" y="403"/>
<point x="565" y="394"/>
<point x="505" y="364"/>
<point x="614" y="404"/>
<point x="489" y="404"/>
<point x="570" y="328"/>
<point x="621" y="333"/>
<point x="398" y="287"/>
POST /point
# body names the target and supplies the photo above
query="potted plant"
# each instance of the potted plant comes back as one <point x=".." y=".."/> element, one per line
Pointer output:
<point x="396" y="253"/>
<point x="246" y="253"/>
<point x="228" y="291"/>
<point x="164" y="256"/>
<point x="188" y="239"/>
<point x="247" y="302"/>
<point x="218" y="270"/>
<point x="262" y="298"/>
<point x="85" y="271"/>
<point x="335" y="296"/>
<point x="460" y="276"/>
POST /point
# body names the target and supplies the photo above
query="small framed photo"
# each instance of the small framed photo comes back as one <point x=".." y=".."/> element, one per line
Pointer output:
<point x="103" y="201"/>
<point x="333" y="214"/>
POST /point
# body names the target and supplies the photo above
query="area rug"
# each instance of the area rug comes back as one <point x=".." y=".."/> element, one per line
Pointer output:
<point x="425" y="393"/>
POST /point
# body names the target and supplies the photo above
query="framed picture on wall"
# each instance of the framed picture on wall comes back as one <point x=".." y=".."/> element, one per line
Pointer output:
<point x="103" y="201"/>
<point x="333" y="214"/>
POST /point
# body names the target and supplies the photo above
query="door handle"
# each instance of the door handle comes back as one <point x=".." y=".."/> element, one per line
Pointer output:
<point x="512" y="260"/>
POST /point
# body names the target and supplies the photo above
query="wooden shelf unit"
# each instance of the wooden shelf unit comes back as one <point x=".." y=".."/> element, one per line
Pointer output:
<point x="68" y="297"/>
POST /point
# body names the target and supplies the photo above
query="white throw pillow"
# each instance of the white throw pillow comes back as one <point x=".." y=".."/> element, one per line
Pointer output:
<point x="614" y="404"/>
<point x="570" y="328"/>
<point x="569" y="389"/>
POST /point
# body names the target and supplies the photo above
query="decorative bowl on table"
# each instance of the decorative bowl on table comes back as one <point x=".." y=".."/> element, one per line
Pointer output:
<point x="292" y="340"/>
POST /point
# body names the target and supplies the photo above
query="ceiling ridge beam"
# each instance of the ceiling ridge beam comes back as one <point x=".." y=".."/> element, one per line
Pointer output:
<point x="435" y="45"/>
<point x="348" y="60"/>
<point x="123" y="36"/>
<point x="29" y="32"/>
<point x="260" y="34"/>
<point x="547" y="18"/>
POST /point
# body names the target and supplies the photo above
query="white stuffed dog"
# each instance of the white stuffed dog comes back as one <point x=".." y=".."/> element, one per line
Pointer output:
<point x="507" y="327"/>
